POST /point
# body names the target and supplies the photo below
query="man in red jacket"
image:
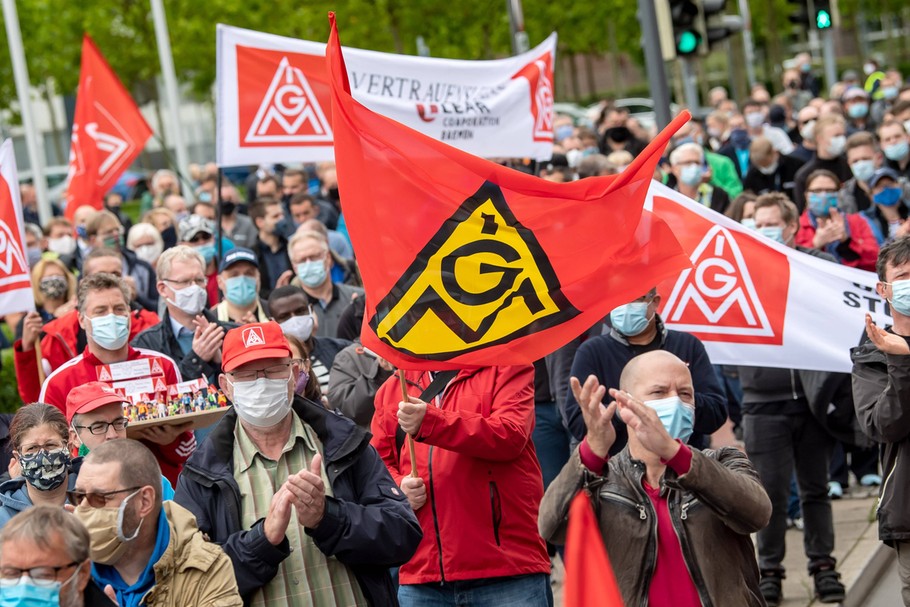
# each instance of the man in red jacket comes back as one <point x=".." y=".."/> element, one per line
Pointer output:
<point x="477" y="490"/>
<point x="103" y="306"/>
<point x="63" y="337"/>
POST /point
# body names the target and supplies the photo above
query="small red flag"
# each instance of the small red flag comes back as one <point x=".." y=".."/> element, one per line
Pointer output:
<point x="468" y="263"/>
<point x="589" y="579"/>
<point x="109" y="132"/>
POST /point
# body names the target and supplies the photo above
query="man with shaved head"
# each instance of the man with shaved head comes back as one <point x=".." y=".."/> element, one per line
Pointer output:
<point x="675" y="520"/>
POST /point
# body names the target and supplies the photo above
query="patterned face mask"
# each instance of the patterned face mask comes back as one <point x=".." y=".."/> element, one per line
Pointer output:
<point x="45" y="470"/>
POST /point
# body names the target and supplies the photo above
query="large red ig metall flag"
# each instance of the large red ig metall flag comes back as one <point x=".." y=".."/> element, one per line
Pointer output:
<point x="109" y="132"/>
<point x="15" y="287"/>
<point x="468" y="263"/>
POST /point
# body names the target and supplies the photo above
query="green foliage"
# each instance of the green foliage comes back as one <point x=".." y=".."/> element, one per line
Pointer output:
<point x="124" y="32"/>
<point x="9" y="395"/>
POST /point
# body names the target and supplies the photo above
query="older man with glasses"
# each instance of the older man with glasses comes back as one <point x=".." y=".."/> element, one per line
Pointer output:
<point x="94" y="412"/>
<point x="143" y="550"/>
<point x="299" y="499"/>
<point x="44" y="560"/>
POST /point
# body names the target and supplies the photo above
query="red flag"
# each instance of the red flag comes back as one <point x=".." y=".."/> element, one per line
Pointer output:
<point x="108" y="132"/>
<point x="468" y="263"/>
<point x="589" y="579"/>
<point x="15" y="286"/>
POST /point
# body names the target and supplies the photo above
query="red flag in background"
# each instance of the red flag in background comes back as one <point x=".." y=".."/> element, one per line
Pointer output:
<point x="16" y="293"/>
<point x="589" y="579"/>
<point x="468" y="263"/>
<point x="108" y="132"/>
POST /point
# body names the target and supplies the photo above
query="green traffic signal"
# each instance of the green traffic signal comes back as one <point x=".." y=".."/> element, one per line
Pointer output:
<point x="687" y="42"/>
<point x="822" y="19"/>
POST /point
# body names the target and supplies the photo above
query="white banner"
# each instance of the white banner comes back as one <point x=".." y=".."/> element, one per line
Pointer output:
<point x="15" y="283"/>
<point x="753" y="301"/>
<point x="273" y="101"/>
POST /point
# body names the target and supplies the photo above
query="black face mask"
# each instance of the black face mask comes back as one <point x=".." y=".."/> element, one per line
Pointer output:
<point x="332" y="193"/>
<point x="228" y="208"/>
<point x="619" y="134"/>
<point x="286" y="199"/>
<point x="169" y="236"/>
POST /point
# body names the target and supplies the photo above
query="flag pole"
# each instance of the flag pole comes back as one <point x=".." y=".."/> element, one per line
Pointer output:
<point x="33" y="142"/>
<point x="38" y="355"/>
<point x="404" y="398"/>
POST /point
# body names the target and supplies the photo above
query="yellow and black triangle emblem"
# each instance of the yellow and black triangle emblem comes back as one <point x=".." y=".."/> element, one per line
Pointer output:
<point x="482" y="280"/>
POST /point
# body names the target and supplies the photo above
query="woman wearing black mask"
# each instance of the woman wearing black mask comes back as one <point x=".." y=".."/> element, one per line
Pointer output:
<point x="54" y="287"/>
<point x="40" y="439"/>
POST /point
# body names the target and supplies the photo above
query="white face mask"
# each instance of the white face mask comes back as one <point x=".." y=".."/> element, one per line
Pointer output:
<point x="768" y="170"/>
<point x="65" y="245"/>
<point x="191" y="300"/>
<point x="808" y="131"/>
<point x="148" y="252"/>
<point x="300" y="327"/>
<point x="262" y="403"/>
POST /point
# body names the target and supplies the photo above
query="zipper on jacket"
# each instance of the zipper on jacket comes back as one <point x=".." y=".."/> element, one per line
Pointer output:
<point x="793" y="384"/>
<point x="442" y="573"/>
<point x="881" y="497"/>
<point x="684" y="511"/>
<point x="687" y="553"/>
<point x="642" y="512"/>
<point x="495" y="510"/>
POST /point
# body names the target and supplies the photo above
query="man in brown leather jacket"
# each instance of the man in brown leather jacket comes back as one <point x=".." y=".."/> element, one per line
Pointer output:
<point x="675" y="520"/>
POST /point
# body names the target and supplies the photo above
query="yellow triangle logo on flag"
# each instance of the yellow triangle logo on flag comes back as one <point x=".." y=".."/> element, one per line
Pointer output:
<point x="482" y="280"/>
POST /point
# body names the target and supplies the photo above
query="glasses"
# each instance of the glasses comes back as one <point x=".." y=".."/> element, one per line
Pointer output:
<point x="47" y="447"/>
<point x="822" y="191"/>
<point x="41" y="576"/>
<point x="318" y="257"/>
<point x="101" y="427"/>
<point x="95" y="500"/>
<point x="199" y="282"/>
<point x="274" y="372"/>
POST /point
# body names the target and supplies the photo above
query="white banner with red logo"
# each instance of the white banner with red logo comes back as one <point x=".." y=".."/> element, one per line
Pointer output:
<point x="755" y="302"/>
<point x="15" y="285"/>
<point x="273" y="101"/>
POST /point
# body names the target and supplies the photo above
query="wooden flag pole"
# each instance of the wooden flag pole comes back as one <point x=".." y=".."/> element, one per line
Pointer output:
<point x="39" y="357"/>
<point x="404" y="398"/>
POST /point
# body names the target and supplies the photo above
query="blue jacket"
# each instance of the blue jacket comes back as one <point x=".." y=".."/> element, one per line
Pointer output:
<point x="605" y="356"/>
<point x="14" y="493"/>
<point x="368" y="524"/>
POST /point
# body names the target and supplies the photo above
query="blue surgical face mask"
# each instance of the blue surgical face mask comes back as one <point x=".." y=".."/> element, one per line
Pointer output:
<point x="110" y="331"/>
<point x="858" y="110"/>
<point x="312" y="273"/>
<point x="775" y="233"/>
<point x="207" y="251"/>
<point x="888" y="197"/>
<point x="563" y="131"/>
<point x="748" y="222"/>
<point x="630" y="319"/>
<point x="863" y="169"/>
<point x="897" y="151"/>
<point x="26" y="593"/>
<point x="677" y="416"/>
<point x="900" y="296"/>
<point x="241" y="290"/>
<point x="890" y="92"/>
<point x="820" y="204"/>
<point x="691" y="175"/>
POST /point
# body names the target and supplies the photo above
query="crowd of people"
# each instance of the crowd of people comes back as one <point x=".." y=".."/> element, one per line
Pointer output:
<point x="320" y="485"/>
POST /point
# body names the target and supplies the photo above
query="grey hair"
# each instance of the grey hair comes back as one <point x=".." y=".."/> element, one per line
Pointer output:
<point x="180" y="252"/>
<point x="156" y="179"/>
<point x="34" y="231"/>
<point x="141" y="230"/>
<point x="306" y="235"/>
<point x="46" y="527"/>
<point x="686" y="147"/>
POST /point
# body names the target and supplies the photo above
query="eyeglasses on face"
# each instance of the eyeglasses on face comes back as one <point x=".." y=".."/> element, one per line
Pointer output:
<point x="273" y="372"/>
<point x="119" y="425"/>
<point x="41" y="576"/>
<point x="95" y="500"/>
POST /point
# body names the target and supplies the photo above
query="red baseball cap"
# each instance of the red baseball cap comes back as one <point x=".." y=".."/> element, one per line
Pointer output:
<point x="89" y="397"/>
<point x="252" y="341"/>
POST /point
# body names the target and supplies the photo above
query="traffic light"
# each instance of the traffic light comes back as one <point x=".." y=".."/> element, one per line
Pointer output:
<point x="717" y="25"/>
<point x="823" y="18"/>
<point x="687" y="35"/>
<point x="800" y="14"/>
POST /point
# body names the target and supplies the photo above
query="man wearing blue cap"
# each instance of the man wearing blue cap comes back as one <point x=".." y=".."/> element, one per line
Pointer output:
<point x="239" y="280"/>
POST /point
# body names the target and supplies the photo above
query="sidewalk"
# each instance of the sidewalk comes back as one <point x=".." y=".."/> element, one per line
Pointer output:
<point x="856" y="539"/>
